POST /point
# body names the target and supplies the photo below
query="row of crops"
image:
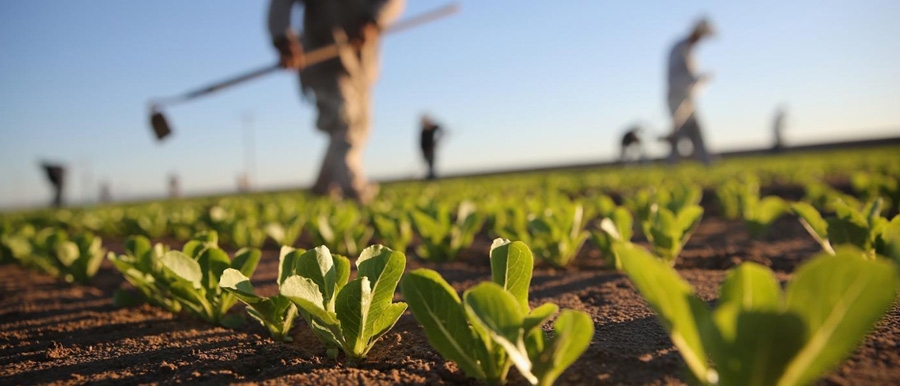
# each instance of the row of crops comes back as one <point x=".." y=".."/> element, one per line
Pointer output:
<point x="757" y="332"/>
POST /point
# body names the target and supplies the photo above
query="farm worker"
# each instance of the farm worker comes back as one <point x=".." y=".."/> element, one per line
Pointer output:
<point x="778" y="128"/>
<point x="631" y="145"/>
<point x="431" y="134"/>
<point x="340" y="86"/>
<point x="683" y="82"/>
<point x="56" y="174"/>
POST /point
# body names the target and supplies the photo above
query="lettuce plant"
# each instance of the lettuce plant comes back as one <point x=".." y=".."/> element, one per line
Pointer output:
<point x="617" y="228"/>
<point x="758" y="334"/>
<point x="345" y="229"/>
<point x="558" y="235"/>
<point x="350" y="316"/>
<point x="668" y="232"/>
<point x="443" y="237"/>
<point x="864" y="229"/>
<point x="141" y="265"/>
<point x="275" y="313"/>
<point x="195" y="272"/>
<point x="286" y="234"/>
<point x="74" y="259"/>
<point x="759" y="214"/>
<point x="492" y="327"/>
<point x="394" y="230"/>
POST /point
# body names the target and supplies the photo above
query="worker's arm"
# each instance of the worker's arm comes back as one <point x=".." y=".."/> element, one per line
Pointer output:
<point x="284" y="38"/>
<point x="385" y="12"/>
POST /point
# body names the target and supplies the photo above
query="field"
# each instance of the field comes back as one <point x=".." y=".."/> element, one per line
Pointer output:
<point x="56" y="332"/>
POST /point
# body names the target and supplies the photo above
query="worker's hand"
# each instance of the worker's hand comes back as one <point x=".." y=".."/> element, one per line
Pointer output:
<point x="705" y="78"/>
<point x="367" y="34"/>
<point x="290" y="51"/>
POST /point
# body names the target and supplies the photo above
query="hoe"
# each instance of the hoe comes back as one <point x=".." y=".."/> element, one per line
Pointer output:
<point x="160" y="124"/>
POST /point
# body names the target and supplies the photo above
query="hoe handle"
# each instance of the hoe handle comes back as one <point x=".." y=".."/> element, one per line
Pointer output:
<point x="317" y="55"/>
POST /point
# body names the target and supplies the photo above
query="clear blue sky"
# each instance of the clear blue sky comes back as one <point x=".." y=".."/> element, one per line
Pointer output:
<point x="516" y="83"/>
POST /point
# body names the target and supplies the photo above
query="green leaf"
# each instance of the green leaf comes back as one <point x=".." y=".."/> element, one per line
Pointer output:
<point x="813" y="223"/>
<point x="183" y="266"/>
<point x="383" y="267"/>
<point x="572" y="334"/>
<point x="306" y="294"/>
<point x="438" y="309"/>
<point x="679" y="310"/>
<point x="213" y="261"/>
<point x="495" y="313"/>
<point x="318" y="265"/>
<point x="246" y="260"/>
<point x="539" y="316"/>
<point x="352" y="307"/>
<point x="839" y="298"/>
<point x="759" y="350"/>
<point x="67" y="253"/>
<point x="239" y="285"/>
<point x="511" y="267"/>
<point x="287" y="260"/>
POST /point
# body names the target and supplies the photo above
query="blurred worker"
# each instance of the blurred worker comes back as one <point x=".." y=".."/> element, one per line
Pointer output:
<point x="632" y="150"/>
<point x="105" y="193"/>
<point x="683" y="82"/>
<point x="56" y="174"/>
<point x="340" y="86"/>
<point x="431" y="135"/>
<point x="778" y="128"/>
<point x="174" y="186"/>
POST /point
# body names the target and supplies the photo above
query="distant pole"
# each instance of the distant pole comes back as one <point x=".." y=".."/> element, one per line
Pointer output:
<point x="249" y="154"/>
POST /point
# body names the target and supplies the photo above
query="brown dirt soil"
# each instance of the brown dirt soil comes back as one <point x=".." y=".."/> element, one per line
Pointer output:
<point x="52" y="332"/>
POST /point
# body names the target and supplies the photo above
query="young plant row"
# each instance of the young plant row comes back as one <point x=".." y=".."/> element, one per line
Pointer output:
<point x="486" y="332"/>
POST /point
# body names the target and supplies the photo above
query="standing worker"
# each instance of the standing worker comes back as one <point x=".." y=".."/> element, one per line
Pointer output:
<point x="778" y="128"/>
<point x="56" y="174"/>
<point x="683" y="82"/>
<point x="431" y="134"/>
<point x="340" y="86"/>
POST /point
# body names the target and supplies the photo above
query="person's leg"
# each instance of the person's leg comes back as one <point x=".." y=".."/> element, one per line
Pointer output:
<point x="429" y="160"/>
<point x="330" y="106"/>
<point x="693" y="131"/>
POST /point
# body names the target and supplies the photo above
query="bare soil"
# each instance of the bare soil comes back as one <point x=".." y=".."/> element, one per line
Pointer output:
<point x="52" y="332"/>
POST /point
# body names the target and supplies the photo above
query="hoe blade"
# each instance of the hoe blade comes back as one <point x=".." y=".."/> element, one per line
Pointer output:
<point x="160" y="125"/>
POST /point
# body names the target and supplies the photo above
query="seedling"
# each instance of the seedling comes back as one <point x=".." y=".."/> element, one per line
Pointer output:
<point x="558" y="235"/>
<point x="350" y="316"/>
<point x="613" y="230"/>
<point x="142" y="267"/>
<point x="669" y="232"/>
<point x="759" y="335"/>
<point x="275" y="313"/>
<point x="195" y="273"/>
<point x="493" y="327"/>
<point x="442" y="237"/>
<point x="864" y="229"/>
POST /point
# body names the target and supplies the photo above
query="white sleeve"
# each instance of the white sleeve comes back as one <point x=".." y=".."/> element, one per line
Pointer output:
<point x="280" y="17"/>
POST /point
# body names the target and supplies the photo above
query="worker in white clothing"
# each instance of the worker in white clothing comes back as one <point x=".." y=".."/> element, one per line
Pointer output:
<point x="683" y="84"/>
<point x="340" y="86"/>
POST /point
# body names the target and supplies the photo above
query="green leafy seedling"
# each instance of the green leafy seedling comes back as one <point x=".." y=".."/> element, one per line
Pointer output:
<point x="443" y="237"/>
<point x="492" y="327"/>
<point x="669" y="232"/>
<point x="275" y="313"/>
<point x="558" y="235"/>
<point x="142" y="267"/>
<point x="759" y="334"/>
<point x="195" y="273"/>
<point x="613" y="230"/>
<point x="864" y="229"/>
<point x="350" y="316"/>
